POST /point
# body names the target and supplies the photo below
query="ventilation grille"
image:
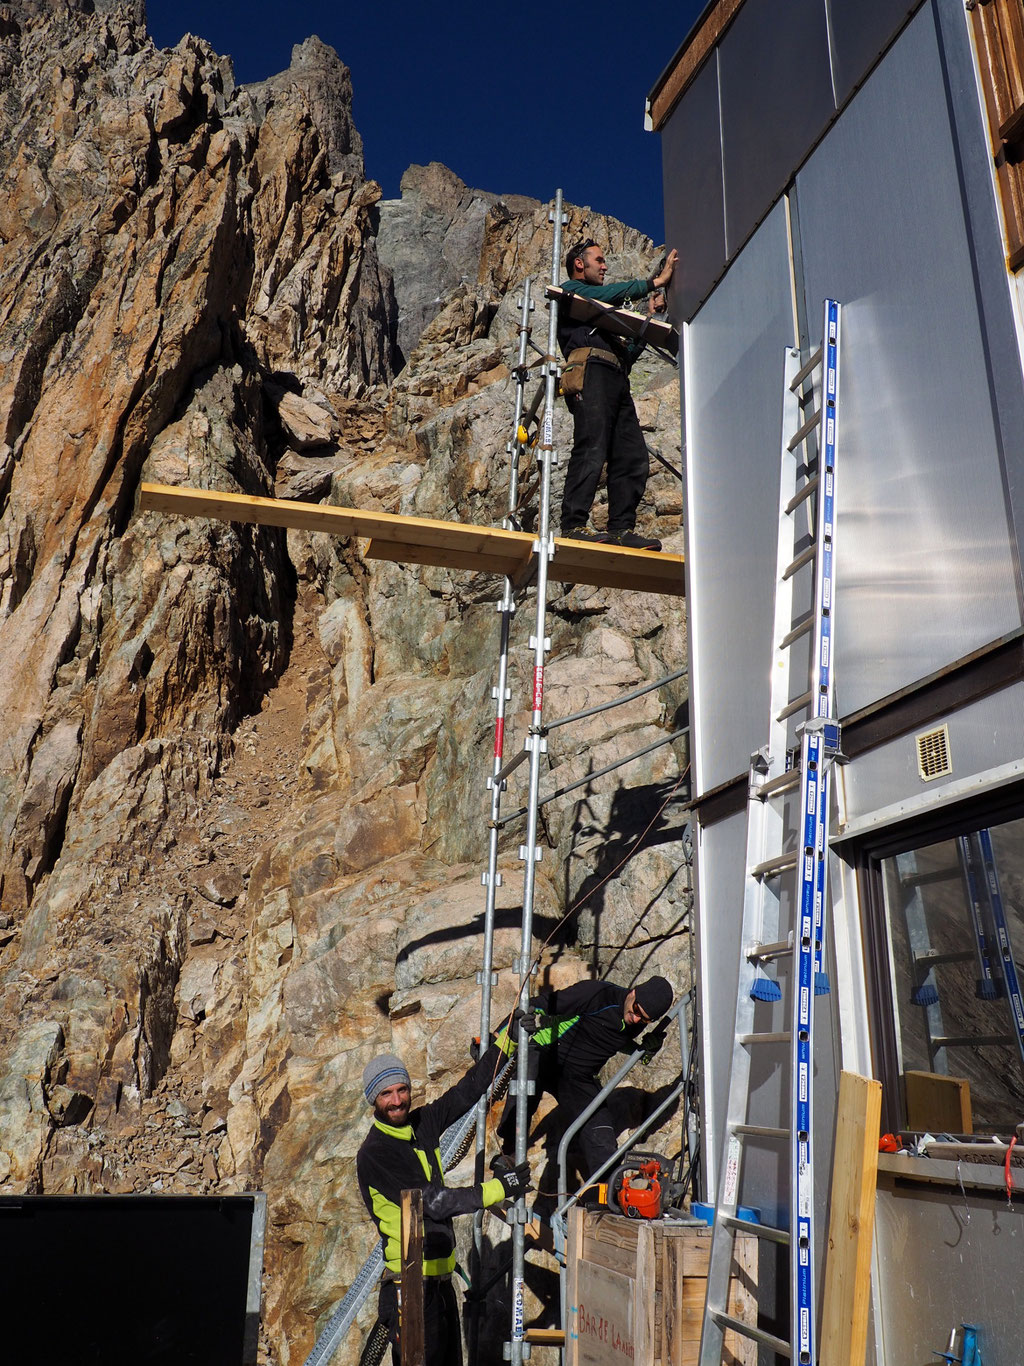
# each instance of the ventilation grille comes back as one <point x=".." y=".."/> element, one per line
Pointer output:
<point x="933" y="759"/>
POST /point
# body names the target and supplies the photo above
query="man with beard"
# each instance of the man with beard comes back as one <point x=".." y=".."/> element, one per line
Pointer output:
<point x="401" y="1152"/>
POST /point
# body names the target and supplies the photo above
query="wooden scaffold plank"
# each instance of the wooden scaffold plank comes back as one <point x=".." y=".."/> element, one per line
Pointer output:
<point x="423" y="540"/>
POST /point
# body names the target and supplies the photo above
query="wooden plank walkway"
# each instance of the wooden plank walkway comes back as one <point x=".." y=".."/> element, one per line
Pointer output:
<point x="423" y="540"/>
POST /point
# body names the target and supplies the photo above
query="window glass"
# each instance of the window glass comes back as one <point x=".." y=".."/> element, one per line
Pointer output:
<point x="955" y="913"/>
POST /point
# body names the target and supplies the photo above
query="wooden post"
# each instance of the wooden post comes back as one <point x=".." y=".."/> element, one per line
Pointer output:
<point x="412" y="1337"/>
<point x="574" y="1251"/>
<point x="844" y="1327"/>
<point x="643" y="1296"/>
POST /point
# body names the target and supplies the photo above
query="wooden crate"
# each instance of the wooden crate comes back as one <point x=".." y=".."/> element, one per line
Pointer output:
<point x="938" y="1103"/>
<point x="636" y="1292"/>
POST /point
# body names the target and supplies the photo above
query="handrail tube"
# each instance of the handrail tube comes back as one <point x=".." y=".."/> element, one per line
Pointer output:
<point x="615" y="702"/>
<point x="581" y="1119"/>
<point x="597" y="773"/>
<point x="678" y="1012"/>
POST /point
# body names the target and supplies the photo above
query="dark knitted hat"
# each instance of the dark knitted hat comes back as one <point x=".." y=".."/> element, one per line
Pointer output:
<point x="654" y="997"/>
<point x="382" y="1072"/>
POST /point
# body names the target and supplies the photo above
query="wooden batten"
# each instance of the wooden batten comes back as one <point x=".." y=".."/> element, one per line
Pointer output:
<point x="847" y="1295"/>
<point x="424" y="540"/>
<point x="689" y="60"/>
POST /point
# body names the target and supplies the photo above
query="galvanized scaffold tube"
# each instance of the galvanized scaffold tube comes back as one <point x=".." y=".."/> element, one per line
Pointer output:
<point x="491" y="879"/>
<point x="544" y="549"/>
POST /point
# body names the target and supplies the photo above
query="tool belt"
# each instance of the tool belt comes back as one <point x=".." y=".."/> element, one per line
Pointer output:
<point x="575" y="371"/>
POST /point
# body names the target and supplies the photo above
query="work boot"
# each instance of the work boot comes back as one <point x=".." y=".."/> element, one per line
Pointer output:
<point x="582" y="533"/>
<point x="631" y="540"/>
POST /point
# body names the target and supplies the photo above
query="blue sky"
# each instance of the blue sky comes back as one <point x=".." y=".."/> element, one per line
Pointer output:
<point x="515" y="99"/>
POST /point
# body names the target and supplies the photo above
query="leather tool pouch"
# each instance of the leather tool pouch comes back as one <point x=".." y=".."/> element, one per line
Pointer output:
<point x="574" y="372"/>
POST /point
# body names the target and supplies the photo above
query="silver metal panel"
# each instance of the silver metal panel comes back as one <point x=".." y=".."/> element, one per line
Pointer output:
<point x="772" y="110"/>
<point x="984" y="217"/>
<point x="734" y="356"/>
<point x="946" y="1257"/>
<point x="986" y="746"/>
<point x="719" y="855"/>
<point x="860" y="31"/>
<point x="691" y="150"/>
<point x="925" y="567"/>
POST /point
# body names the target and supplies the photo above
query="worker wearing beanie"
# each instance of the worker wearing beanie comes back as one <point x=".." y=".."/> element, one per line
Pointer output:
<point x="574" y="1033"/>
<point x="401" y="1152"/>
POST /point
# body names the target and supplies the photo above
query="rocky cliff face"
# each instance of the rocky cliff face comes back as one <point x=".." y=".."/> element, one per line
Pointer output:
<point x="242" y="789"/>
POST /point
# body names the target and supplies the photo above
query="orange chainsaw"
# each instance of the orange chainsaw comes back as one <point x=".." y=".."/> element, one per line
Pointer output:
<point x="635" y="1187"/>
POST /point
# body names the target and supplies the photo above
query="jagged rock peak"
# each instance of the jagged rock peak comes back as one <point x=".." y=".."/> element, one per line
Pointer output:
<point x="431" y="240"/>
<point x="326" y="82"/>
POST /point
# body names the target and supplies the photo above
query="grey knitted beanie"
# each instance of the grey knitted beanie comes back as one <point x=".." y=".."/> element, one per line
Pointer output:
<point x="382" y="1072"/>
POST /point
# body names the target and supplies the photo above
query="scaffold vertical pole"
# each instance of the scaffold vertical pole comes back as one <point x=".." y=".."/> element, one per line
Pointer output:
<point x="518" y="1350"/>
<point x="501" y="693"/>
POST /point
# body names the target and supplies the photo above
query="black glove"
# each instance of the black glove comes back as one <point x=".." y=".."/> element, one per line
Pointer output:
<point x="515" y="1182"/>
<point x="653" y="1040"/>
<point x="534" y="1019"/>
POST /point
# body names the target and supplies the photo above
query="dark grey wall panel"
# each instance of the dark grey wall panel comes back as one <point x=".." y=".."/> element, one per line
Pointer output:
<point x="691" y="150"/>
<point x="861" y="31"/>
<point x="925" y="568"/>
<point x="776" y="85"/>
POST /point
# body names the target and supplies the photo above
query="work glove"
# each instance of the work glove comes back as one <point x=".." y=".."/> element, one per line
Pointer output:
<point x="653" y="1040"/>
<point x="534" y="1019"/>
<point x="516" y="1181"/>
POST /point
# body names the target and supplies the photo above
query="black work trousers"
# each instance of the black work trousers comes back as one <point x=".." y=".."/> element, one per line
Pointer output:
<point x="573" y="1091"/>
<point x="443" y="1331"/>
<point x="606" y="432"/>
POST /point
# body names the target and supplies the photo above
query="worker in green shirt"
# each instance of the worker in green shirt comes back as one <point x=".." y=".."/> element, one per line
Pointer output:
<point x="606" y="431"/>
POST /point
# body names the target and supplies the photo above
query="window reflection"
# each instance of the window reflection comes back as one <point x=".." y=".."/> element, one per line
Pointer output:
<point x="955" y="912"/>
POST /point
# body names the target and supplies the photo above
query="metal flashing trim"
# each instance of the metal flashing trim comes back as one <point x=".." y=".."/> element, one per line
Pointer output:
<point x="994" y="667"/>
<point x="934" y="800"/>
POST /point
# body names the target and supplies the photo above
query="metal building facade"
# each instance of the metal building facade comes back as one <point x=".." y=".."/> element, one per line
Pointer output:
<point x="832" y="148"/>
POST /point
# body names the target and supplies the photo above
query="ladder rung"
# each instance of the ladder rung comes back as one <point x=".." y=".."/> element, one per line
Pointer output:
<point x="801" y="629"/>
<point x="930" y="959"/>
<point x="971" y="1040"/>
<point x="797" y="704"/>
<point x="783" y="782"/>
<point x="804" y="430"/>
<point x="922" y="879"/>
<point x="805" y="557"/>
<point x="783" y="1036"/>
<point x="802" y="494"/>
<point x="765" y="1231"/>
<point x="781" y="863"/>
<point x="760" y="1131"/>
<point x="805" y="369"/>
<point x="755" y="1334"/>
<point x="764" y="953"/>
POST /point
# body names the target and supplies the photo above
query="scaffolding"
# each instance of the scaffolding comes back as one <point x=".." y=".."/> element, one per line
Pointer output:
<point x="527" y="562"/>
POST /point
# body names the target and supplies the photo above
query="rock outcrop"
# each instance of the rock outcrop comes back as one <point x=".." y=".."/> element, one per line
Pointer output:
<point x="242" y="800"/>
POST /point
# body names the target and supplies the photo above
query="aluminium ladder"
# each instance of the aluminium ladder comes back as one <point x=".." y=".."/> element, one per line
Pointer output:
<point x="783" y="921"/>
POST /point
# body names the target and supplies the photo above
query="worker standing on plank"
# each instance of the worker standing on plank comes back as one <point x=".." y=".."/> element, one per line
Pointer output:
<point x="595" y="382"/>
<point x="574" y="1032"/>
<point x="401" y="1152"/>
